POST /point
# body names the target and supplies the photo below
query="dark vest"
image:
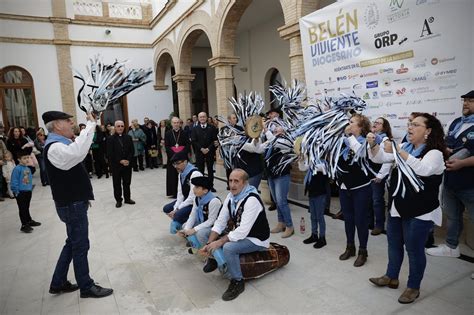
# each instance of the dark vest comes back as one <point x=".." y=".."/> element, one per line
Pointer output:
<point x="205" y="208"/>
<point x="185" y="186"/>
<point x="68" y="186"/>
<point x="250" y="162"/>
<point x="317" y="186"/>
<point x="351" y="175"/>
<point x="260" y="228"/>
<point x="464" y="178"/>
<point x="414" y="203"/>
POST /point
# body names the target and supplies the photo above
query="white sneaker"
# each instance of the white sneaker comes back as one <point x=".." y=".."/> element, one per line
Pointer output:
<point x="444" y="251"/>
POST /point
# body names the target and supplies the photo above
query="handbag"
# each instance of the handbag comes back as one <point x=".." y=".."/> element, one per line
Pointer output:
<point x="153" y="153"/>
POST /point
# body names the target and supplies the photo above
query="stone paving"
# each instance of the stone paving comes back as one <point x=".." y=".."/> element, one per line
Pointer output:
<point x="151" y="271"/>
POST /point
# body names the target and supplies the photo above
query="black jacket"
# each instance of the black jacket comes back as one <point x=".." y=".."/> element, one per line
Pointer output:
<point x="204" y="138"/>
<point x="170" y="141"/>
<point x="119" y="148"/>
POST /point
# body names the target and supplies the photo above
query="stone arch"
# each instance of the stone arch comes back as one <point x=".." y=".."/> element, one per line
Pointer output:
<point x="188" y="41"/>
<point x="164" y="57"/>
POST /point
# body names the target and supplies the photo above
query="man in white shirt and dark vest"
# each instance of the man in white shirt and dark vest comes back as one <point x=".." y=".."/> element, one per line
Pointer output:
<point x="244" y="213"/>
<point x="72" y="190"/>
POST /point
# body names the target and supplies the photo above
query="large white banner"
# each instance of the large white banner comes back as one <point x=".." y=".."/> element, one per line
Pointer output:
<point x="400" y="56"/>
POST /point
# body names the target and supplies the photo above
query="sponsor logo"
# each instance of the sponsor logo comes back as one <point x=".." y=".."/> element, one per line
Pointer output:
<point x="445" y="99"/>
<point x="328" y="90"/>
<point x="342" y="78"/>
<point x="346" y="67"/>
<point x="386" y="93"/>
<point x="375" y="95"/>
<point x="420" y="2"/>
<point x="390" y="104"/>
<point x="448" y="87"/>
<point x="398" y="11"/>
<point x="352" y="76"/>
<point x="446" y="72"/>
<point x="368" y="74"/>
<point x="419" y="64"/>
<point x="420" y="90"/>
<point x="401" y="92"/>
<point x="386" y="39"/>
<point x="427" y="30"/>
<point x="423" y="77"/>
<point x="318" y="82"/>
<point x="435" y="60"/>
<point x="402" y="69"/>
<point x="386" y="82"/>
<point x="366" y="96"/>
<point x="386" y="70"/>
<point x="371" y="84"/>
<point x="414" y="102"/>
<point x="401" y="80"/>
<point x="343" y="88"/>
<point x="357" y="86"/>
<point x="446" y="113"/>
<point x="390" y="116"/>
<point x="371" y="16"/>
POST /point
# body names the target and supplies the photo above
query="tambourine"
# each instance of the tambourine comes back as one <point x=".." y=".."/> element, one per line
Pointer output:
<point x="254" y="127"/>
<point x="297" y="145"/>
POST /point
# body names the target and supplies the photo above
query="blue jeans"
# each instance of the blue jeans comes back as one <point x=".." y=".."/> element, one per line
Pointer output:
<point x="279" y="188"/>
<point x="232" y="251"/>
<point x="378" y="203"/>
<point x="180" y="215"/>
<point x="412" y="233"/>
<point x="453" y="204"/>
<point x="255" y="180"/>
<point x="74" y="214"/>
<point x="354" y="205"/>
<point x="316" y="209"/>
<point x="203" y="235"/>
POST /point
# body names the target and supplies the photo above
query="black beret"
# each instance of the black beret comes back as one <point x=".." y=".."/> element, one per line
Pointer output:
<point x="180" y="156"/>
<point x="468" y="95"/>
<point x="54" y="115"/>
<point x="202" y="181"/>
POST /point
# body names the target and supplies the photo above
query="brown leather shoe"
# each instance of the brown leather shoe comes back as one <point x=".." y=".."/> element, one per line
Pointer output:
<point x="280" y="227"/>
<point x="350" y="252"/>
<point x="289" y="231"/>
<point x="376" y="231"/>
<point x="385" y="281"/>
<point x="361" y="258"/>
<point x="409" y="296"/>
<point x="338" y="215"/>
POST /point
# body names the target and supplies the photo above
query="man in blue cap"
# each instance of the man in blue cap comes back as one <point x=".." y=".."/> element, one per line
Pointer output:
<point x="458" y="185"/>
<point x="72" y="190"/>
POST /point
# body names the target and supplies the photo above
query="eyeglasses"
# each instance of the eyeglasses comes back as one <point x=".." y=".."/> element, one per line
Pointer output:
<point x="414" y="125"/>
<point x="119" y="126"/>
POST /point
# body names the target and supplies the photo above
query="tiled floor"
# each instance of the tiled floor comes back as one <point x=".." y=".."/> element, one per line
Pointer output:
<point x="151" y="272"/>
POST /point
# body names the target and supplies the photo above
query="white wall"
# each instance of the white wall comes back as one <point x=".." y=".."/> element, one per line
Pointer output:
<point x="41" y="62"/>
<point x="118" y="34"/>
<point x="26" y="29"/>
<point x="144" y="101"/>
<point x="26" y="7"/>
<point x="261" y="49"/>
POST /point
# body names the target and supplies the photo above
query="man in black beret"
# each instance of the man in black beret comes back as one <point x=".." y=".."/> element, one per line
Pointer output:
<point x="458" y="186"/>
<point x="72" y="190"/>
<point x="180" y="209"/>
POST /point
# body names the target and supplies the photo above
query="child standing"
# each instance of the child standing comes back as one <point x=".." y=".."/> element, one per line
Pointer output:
<point x="316" y="187"/>
<point x="21" y="186"/>
<point x="7" y="170"/>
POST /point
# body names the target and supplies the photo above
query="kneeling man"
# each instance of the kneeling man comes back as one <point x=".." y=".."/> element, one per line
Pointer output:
<point x="180" y="209"/>
<point x="244" y="214"/>
<point x="205" y="210"/>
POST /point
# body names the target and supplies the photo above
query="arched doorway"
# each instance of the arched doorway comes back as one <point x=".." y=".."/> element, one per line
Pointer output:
<point x="17" y="98"/>
<point x="272" y="77"/>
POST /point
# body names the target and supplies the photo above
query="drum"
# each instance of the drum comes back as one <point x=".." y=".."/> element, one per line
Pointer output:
<point x="257" y="264"/>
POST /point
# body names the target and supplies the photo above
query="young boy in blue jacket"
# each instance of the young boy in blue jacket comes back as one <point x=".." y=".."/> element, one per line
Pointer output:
<point x="21" y="186"/>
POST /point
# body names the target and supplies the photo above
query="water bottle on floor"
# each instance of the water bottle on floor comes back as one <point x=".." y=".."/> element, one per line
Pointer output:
<point x="302" y="226"/>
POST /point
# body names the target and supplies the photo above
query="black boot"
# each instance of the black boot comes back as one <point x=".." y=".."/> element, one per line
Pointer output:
<point x="321" y="242"/>
<point x="350" y="252"/>
<point x="361" y="257"/>
<point x="312" y="239"/>
<point x="235" y="288"/>
<point x="210" y="265"/>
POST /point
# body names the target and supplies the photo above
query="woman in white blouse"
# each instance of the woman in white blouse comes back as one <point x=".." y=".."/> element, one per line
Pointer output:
<point x="412" y="214"/>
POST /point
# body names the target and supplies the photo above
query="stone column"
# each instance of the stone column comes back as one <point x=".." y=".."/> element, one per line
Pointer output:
<point x="183" y="80"/>
<point x="224" y="82"/>
<point x="223" y="67"/>
<point x="63" y="51"/>
<point x="291" y="32"/>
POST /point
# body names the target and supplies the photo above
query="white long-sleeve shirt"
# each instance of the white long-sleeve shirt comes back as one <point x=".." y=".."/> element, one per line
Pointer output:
<point x="214" y="207"/>
<point x="180" y="201"/>
<point x="249" y="216"/>
<point x="66" y="157"/>
<point x="432" y="163"/>
<point x="254" y="147"/>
